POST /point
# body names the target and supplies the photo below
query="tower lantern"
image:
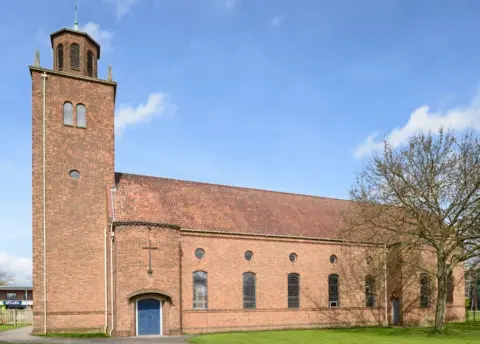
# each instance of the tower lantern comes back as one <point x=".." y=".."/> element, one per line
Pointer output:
<point x="75" y="51"/>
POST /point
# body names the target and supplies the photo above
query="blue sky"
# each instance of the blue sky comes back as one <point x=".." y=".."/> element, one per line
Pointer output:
<point x="284" y="95"/>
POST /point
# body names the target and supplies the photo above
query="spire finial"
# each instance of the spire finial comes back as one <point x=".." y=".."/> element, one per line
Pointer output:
<point x="75" y="24"/>
<point x="109" y="76"/>
<point x="37" y="58"/>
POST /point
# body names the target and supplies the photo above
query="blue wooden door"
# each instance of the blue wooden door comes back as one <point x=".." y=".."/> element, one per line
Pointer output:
<point x="396" y="311"/>
<point x="149" y="315"/>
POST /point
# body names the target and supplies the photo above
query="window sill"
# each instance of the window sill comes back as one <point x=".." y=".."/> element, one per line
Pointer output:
<point x="68" y="125"/>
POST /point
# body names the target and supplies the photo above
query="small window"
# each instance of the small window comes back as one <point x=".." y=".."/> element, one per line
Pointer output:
<point x="199" y="253"/>
<point x="424" y="290"/>
<point x="370" y="291"/>
<point x="293" y="257"/>
<point x="68" y="113"/>
<point x="75" y="56"/>
<point x="248" y="255"/>
<point x="293" y="290"/>
<point x="450" y="288"/>
<point x="333" y="259"/>
<point x="60" y="56"/>
<point x="74" y="174"/>
<point x="11" y="296"/>
<point x="333" y="294"/>
<point x="200" y="291"/>
<point x="90" y="63"/>
<point x="249" y="290"/>
<point x="81" y="116"/>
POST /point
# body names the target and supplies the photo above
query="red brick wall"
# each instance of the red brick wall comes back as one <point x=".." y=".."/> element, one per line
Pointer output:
<point x="132" y="280"/>
<point x="75" y="209"/>
<point x="404" y="279"/>
<point x="224" y="262"/>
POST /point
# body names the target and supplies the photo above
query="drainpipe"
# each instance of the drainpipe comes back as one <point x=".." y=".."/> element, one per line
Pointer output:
<point x="111" y="280"/>
<point x="44" y="124"/>
<point x="106" y="282"/>
<point x="386" y="281"/>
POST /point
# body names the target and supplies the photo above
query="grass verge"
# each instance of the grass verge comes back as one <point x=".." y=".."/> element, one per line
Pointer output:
<point x="455" y="334"/>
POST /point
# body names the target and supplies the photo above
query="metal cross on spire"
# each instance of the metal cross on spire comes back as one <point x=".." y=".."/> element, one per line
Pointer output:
<point x="75" y="24"/>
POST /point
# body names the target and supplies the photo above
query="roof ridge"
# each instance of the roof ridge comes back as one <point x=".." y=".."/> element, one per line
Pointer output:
<point x="231" y="186"/>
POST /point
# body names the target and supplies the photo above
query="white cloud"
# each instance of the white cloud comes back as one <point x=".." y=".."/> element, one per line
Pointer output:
<point x="103" y="37"/>
<point x="122" y="7"/>
<point x="20" y="269"/>
<point x="157" y="105"/>
<point x="424" y="120"/>
<point x="232" y="3"/>
<point x="277" y="20"/>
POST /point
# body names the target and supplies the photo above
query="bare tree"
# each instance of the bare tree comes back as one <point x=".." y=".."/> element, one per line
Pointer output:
<point x="4" y="278"/>
<point x="425" y="195"/>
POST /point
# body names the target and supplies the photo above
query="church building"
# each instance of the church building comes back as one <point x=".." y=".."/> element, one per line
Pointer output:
<point x="138" y="255"/>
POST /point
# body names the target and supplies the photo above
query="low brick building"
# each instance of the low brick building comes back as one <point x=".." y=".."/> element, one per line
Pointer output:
<point x="134" y="255"/>
<point x="16" y="297"/>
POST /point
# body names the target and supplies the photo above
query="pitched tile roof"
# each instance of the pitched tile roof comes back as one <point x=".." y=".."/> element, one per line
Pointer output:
<point x="202" y="206"/>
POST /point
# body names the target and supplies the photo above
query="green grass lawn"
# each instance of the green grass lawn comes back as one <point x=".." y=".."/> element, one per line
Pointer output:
<point x="456" y="334"/>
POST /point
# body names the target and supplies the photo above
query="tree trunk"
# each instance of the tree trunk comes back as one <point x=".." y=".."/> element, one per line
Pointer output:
<point x="441" y="308"/>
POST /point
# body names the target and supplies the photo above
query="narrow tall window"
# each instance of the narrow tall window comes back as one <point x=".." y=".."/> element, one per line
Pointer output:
<point x="249" y="293"/>
<point x="333" y="293"/>
<point x="424" y="290"/>
<point x="60" y="57"/>
<point x="200" y="291"/>
<point x="293" y="290"/>
<point x="75" y="56"/>
<point x="81" y="116"/>
<point x="90" y="63"/>
<point x="370" y="291"/>
<point x="450" y="288"/>
<point x="68" y="113"/>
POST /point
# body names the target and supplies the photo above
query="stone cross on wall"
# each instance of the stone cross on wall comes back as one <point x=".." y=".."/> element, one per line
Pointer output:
<point x="150" y="248"/>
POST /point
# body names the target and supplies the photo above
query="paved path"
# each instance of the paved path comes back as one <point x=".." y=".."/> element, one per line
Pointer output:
<point x="23" y="335"/>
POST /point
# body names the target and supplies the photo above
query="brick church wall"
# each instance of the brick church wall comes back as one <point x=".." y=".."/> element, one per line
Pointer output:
<point x="225" y="263"/>
<point x="132" y="280"/>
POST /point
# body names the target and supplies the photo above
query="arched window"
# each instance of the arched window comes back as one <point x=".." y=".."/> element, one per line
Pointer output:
<point x="200" y="291"/>
<point x="249" y="293"/>
<point x="60" y="56"/>
<point x="68" y="113"/>
<point x="75" y="56"/>
<point x="370" y="291"/>
<point x="450" y="288"/>
<point x="293" y="290"/>
<point x="90" y="63"/>
<point x="81" y="116"/>
<point x="424" y="290"/>
<point x="333" y="292"/>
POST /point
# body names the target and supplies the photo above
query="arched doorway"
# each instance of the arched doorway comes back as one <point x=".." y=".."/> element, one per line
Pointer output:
<point x="149" y="317"/>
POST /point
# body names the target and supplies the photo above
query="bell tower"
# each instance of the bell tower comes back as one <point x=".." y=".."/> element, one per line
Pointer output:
<point x="72" y="171"/>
